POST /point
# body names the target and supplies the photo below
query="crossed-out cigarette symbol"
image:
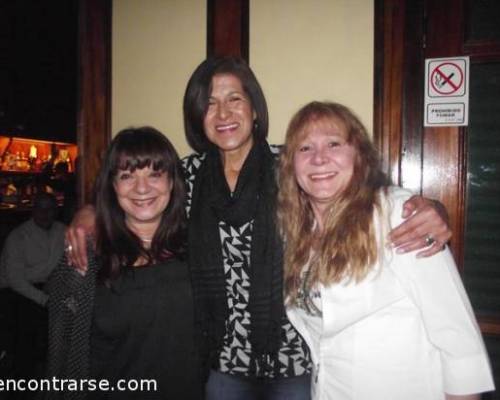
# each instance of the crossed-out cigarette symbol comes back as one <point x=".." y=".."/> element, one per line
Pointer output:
<point x="447" y="78"/>
<point x="442" y="80"/>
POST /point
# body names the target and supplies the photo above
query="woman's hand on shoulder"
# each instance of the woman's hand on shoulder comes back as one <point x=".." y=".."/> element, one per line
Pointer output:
<point x="81" y="229"/>
<point x="425" y="227"/>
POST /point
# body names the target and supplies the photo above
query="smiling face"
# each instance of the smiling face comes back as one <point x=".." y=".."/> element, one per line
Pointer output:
<point x="229" y="119"/>
<point x="324" y="162"/>
<point x="143" y="195"/>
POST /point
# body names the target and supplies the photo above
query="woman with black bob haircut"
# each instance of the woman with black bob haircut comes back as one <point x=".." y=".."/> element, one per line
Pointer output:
<point x="131" y="315"/>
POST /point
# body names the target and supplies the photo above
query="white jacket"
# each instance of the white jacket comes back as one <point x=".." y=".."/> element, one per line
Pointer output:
<point x="406" y="332"/>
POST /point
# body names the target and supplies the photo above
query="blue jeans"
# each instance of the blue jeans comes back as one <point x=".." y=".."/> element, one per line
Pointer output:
<point x="228" y="387"/>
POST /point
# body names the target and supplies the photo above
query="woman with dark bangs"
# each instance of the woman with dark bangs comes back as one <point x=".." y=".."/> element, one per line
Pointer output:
<point x="131" y="316"/>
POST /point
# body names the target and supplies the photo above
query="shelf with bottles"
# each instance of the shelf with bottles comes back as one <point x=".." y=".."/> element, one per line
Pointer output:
<point x="28" y="166"/>
<point x="33" y="155"/>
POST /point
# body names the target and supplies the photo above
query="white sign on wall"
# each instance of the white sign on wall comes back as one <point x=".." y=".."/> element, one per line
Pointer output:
<point x="446" y="91"/>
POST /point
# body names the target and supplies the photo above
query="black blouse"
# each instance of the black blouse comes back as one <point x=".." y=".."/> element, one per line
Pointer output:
<point x="142" y="329"/>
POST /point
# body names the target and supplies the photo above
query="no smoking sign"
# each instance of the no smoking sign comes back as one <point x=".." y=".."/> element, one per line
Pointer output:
<point x="447" y="78"/>
<point x="446" y="91"/>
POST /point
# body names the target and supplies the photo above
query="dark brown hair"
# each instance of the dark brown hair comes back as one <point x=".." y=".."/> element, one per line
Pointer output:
<point x="198" y="92"/>
<point x="116" y="245"/>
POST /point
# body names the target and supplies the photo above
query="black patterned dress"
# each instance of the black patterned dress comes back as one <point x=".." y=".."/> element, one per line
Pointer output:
<point x="235" y="356"/>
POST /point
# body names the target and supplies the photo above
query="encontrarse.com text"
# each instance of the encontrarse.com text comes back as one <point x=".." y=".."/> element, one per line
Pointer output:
<point x="76" y="385"/>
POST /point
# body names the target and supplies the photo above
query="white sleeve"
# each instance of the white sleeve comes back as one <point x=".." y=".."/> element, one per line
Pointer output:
<point x="435" y="287"/>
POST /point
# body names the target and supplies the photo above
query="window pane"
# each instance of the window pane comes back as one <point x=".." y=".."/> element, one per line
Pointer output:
<point x="482" y="230"/>
<point x="484" y="17"/>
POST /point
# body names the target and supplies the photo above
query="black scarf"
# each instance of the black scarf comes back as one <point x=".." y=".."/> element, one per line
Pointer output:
<point x="253" y="199"/>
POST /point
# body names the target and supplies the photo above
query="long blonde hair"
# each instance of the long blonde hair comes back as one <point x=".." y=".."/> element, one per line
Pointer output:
<point x="346" y="248"/>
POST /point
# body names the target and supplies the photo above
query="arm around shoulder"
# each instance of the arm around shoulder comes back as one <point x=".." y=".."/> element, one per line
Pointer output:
<point x="81" y="230"/>
<point x="424" y="226"/>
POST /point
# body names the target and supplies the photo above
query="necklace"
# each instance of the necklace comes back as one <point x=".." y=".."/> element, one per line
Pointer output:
<point x="306" y="293"/>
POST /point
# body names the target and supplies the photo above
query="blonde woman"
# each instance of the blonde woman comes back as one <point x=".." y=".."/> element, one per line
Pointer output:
<point x="380" y="325"/>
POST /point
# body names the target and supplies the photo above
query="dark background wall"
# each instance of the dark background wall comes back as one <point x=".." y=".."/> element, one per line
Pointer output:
<point x="38" y="69"/>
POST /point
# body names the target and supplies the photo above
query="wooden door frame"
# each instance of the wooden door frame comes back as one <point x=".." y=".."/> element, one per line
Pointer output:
<point x="94" y="91"/>
<point x="401" y="47"/>
<point x="228" y="28"/>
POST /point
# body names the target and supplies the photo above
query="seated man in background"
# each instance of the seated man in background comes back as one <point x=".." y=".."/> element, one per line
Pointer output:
<point x="31" y="252"/>
<point x="64" y="183"/>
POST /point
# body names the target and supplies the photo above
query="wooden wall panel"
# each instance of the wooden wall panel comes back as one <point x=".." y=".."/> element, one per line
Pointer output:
<point x="94" y="108"/>
<point x="423" y="160"/>
<point x="227" y="28"/>
<point x="388" y="84"/>
<point x="443" y="147"/>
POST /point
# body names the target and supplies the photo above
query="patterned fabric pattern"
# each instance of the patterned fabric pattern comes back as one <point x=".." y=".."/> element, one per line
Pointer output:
<point x="70" y="305"/>
<point x="236" y="248"/>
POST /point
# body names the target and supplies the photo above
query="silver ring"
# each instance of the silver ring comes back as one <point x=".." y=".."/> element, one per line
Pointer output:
<point x="69" y="248"/>
<point x="429" y="240"/>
